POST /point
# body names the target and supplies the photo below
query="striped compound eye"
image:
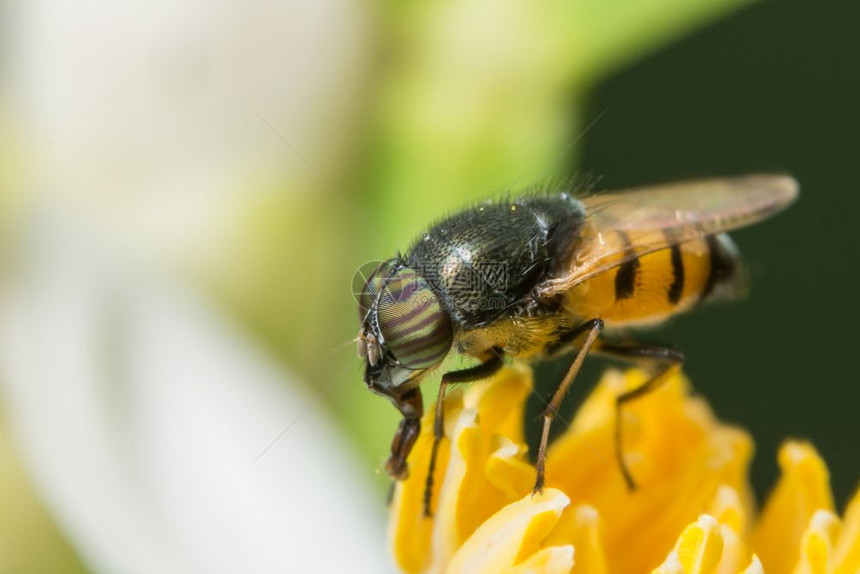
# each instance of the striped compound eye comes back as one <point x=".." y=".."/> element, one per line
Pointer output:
<point x="414" y="326"/>
<point x="369" y="281"/>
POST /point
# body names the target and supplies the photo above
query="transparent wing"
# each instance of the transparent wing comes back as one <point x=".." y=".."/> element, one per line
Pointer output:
<point x="623" y="225"/>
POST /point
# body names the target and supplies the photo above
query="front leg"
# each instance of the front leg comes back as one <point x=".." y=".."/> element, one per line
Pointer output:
<point x="492" y="363"/>
<point x="411" y="406"/>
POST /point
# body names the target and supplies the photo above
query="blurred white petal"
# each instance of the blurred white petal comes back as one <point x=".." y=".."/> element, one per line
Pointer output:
<point x="138" y="413"/>
<point x="116" y="91"/>
<point x="142" y="116"/>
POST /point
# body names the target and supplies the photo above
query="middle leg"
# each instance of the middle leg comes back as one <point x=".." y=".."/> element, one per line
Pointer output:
<point x="593" y="328"/>
<point x="492" y="363"/>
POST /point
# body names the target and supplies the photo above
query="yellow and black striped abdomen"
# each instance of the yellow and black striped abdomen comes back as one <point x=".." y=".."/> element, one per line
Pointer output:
<point x="653" y="287"/>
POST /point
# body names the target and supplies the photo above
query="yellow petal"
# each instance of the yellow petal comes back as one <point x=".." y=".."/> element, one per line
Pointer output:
<point x="500" y="400"/>
<point x="552" y="560"/>
<point x="755" y="566"/>
<point x="731" y="512"/>
<point x="802" y="489"/>
<point x="409" y="531"/>
<point x="510" y="536"/>
<point x="580" y="527"/>
<point x="728" y="509"/>
<point x="686" y="462"/>
<point x="816" y="545"/>
<point x="453" y="517"/>
<point x="508" y="470"/>
<point x="698" y="549"/>
<point x="735" y="553"/>
<point x="846" y="556"/>
<point x="682" y="456"/>
<point x="477" y="472"/>
<point x="486" y="471"/>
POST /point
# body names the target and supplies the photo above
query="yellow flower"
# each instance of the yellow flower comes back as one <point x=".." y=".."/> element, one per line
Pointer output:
<point x="693" y="511"/>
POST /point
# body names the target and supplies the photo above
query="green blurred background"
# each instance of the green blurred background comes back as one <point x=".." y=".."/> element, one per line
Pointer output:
<point x="453" y="101"/>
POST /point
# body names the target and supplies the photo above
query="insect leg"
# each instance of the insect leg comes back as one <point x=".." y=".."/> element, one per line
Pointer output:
<point x="411" y="406"/>
<point x="593" y="329"/>
<point x="667" y="358"/>
<point x="481" y="371"/>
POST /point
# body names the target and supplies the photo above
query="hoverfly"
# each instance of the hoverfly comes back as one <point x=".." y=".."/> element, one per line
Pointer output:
<point x="540" y="273"/>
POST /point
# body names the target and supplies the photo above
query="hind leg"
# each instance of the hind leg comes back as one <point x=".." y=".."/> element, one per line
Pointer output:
<point x="668" y="359"/>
